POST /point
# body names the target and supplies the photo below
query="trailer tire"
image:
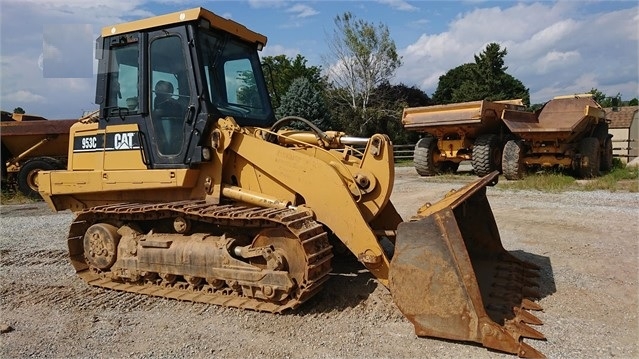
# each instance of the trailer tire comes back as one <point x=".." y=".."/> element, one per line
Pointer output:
<point x="486" y="155"/>
<point x="589" y="163"/>
<point x="424" y="156"/>
<point x="513" y="165"/>
<point x="606" y="155"/>
<point x="27" y="179"/>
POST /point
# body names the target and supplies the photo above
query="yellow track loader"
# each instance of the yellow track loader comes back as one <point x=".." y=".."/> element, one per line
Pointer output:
<point x="186" y="186"/>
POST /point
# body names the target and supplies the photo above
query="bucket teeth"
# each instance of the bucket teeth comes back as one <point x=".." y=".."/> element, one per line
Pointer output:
<point x="524" y="330"/>
<point x="530" y="305"/>
<point x="527" y="317"/>
<point x="526" y="351"/>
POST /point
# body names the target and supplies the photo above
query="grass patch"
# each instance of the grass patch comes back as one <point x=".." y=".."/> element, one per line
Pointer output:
<point x="619" y="179"/>
<point x="14" y="197"/>
<point x="404" y="163"/>
<point x="545" y="182"/>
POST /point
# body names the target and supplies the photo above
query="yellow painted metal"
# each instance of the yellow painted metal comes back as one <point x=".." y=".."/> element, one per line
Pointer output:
<point x="549" y="160"/>
<point x="123" y="159"/>
<point x="448" y="149"/>
<point x="84" y="161"/>
<point x="315" y="172"/>
<point x="216" y="21"/>
<point x="456" y="114"/>
<point x="254" y="198"/>
<point x="307" y="175"/>
<point x="77" y="182"/>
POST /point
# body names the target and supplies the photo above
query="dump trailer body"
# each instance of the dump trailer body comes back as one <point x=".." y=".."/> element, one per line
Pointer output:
<point x="568" y="131"/>
<point x="452" y="130"/>
<point x="29" y="144"/>
<point x="237" y="209"/>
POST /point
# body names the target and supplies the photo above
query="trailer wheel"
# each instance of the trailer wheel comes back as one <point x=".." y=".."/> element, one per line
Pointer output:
<point x="424" y="156"/>
<point x="590" y="160"/>
<point x="27" y="176"/>
<point x="513" y="165"/>
<point x="606" y="156"/>
<point x="486" y="155"/>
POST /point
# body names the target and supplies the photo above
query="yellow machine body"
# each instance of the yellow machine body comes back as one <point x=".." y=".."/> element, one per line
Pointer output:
<point x="239" y="214"/>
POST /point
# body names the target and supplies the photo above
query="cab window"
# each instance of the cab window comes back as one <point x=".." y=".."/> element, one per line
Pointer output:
<point x="170" y="93"/>
<point x="123" y="77"/>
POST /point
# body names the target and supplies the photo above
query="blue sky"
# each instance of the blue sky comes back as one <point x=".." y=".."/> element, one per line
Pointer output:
<point x="554" y="47"/>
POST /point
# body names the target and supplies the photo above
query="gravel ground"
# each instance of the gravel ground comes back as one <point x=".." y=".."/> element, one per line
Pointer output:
<point x="586" y="243"/>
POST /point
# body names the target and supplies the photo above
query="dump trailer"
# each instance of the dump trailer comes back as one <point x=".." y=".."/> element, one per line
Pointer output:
<point x="211" y="199"/>
<point x="568" y="132"/>
<point x="29" y="144"/>
<point x="458" y="132"/>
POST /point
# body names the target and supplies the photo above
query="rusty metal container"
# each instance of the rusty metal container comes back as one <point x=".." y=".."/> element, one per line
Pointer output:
<point x="30" y="144"/>
<point x="458" y="132"/>
<point x="567" y="132"/>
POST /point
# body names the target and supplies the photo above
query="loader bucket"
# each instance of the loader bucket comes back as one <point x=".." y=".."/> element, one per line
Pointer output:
<point x="453" y="279"/>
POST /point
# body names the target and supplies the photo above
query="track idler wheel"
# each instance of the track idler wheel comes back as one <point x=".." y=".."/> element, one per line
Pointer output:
<point x="100" y="245"/>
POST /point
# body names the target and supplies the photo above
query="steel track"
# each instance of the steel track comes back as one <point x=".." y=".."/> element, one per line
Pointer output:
<point x="312" y="236"/>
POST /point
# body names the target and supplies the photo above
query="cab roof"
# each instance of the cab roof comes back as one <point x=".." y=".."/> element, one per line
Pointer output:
<point x="216" y="21"/>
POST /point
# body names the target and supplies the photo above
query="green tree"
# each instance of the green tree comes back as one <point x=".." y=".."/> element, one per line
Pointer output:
<point x="247" y="93"/>
<point x="485" y="79"/>
<point x="305" y="100"/>
<point x="606" y="101"/>
<point x="281" y="71"/>
<point x="597" y="95"/>
<point x="451" y="81"/>
<point x="362" y="57"/>
<point x="386" y="108"/>
<point x="18" y="110"/>
<point x="633" y="102"/>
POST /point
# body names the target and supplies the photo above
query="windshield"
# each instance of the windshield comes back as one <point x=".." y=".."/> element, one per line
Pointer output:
<point x="234" y="79"/>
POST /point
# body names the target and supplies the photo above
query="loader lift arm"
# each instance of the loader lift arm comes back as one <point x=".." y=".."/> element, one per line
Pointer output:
<point x="220" y="206"/>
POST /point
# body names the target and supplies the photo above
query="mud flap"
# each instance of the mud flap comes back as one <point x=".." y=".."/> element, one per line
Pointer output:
<point x="453" y="279"/>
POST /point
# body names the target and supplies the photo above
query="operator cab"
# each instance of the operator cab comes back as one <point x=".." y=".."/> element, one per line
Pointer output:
<point x="173" y="76"/>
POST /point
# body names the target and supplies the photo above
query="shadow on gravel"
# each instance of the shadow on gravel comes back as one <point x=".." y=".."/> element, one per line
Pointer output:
<point x="350" y="284"/>
<point x="546" y="282"/>
<point x="25" y="210"/>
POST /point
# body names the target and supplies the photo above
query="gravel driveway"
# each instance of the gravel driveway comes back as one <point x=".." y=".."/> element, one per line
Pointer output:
<point x="586" y="242"/>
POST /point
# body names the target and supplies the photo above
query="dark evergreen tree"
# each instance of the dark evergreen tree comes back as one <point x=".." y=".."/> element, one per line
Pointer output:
<point x="305" y="100"/>
<point x="486" y="79"/>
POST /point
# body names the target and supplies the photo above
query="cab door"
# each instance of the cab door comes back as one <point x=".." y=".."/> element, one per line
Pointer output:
<point x="138" y="133"/>
<point x="122" y="124"/>
<point x="172" y="97"/>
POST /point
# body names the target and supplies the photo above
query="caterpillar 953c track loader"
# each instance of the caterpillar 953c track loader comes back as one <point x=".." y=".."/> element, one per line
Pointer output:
<point x="186" y="187"/>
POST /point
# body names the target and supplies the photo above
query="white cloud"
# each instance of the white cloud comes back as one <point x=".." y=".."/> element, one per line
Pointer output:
<point x="274" y="50"/>
<point x="399" y="5"/>
<point x="302" y="11"/>
<point x="261" y="4"/>
<point x="25" y="97"/>
<point x="553" y="48"/>
<point x="50" y="51"/>
<point x="556" y="60"/>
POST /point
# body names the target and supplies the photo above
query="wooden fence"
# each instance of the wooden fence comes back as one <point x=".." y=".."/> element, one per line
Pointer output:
<point x="630" y="145"/>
